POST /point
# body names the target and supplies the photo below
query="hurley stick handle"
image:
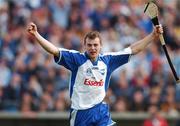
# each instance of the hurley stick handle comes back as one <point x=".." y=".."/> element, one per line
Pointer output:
<point x="161" y="37"/>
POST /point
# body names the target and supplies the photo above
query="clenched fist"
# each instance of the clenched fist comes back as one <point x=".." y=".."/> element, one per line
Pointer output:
<point x="32" y="28"/>
<point x="158" y="30"/>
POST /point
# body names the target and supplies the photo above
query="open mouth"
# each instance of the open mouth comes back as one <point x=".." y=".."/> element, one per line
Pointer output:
<point x="92" y="53"/>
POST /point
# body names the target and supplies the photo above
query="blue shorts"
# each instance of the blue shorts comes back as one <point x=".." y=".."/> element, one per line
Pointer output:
<point x="98" y="115"/>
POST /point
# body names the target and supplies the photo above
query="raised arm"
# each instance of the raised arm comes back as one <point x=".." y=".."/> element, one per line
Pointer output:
<point x="48" y="46"/>
<point x="142" y="44"/>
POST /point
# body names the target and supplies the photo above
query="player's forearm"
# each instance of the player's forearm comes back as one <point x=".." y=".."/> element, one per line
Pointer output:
<point x="142" y="44"/>
<point x="49" y="47"/>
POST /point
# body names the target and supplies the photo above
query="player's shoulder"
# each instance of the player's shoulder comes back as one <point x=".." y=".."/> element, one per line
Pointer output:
<point x="121" y="52"/>
<point x="104" y="57"/>
<point x="71" y="51"/>
<point x="68" y="50"/>
<point x="78" y="55"/>
<point x="74" y="54"/>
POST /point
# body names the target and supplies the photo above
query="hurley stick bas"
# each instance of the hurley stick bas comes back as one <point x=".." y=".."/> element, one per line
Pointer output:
<point x="151" y="10"/>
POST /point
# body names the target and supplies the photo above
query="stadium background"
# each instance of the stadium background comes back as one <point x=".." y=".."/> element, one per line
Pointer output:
<point x="31" y="83"/>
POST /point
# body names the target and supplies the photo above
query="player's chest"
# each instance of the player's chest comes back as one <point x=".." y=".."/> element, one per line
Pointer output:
<point x="96" y="72"/>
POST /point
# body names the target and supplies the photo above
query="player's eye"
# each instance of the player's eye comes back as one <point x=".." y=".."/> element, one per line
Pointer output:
<point x="89" y="45"/>
<point x="95" y="45"/>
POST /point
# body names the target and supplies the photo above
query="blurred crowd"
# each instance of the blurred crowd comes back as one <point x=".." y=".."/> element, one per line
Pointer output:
<point x="30" y="81"/>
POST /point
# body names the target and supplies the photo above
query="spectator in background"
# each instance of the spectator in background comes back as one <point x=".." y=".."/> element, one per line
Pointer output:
<point x="137" y="100"/>
<point x="154" y="97"/>
<point x="12" y="94"/>
<point x="46" y="103"/>
<point x="168" y="105"/>
<point x="60" y="10"/>
<point x="61" y="83"/>
<point x="5" y="73"/>
<point x="28" y="105"/>
<point x="121" y="104"/>
<point x="155" y="118"/>
<point x="62" y="102"/>
<point x="122" y="88"/>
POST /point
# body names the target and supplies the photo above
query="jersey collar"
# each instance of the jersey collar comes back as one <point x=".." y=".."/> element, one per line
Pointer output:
<point x="93" y="62"/>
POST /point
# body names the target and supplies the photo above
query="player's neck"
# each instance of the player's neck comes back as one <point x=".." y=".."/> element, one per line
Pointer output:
<point x="93" y="59"/>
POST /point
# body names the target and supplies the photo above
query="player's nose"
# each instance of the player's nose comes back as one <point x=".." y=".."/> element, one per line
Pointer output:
<point x="92" y="47"/>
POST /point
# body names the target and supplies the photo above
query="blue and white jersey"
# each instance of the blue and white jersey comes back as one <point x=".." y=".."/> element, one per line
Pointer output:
<point x="90" y="80"/>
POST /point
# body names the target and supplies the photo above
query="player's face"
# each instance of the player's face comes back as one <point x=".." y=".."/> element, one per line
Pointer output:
<point x="93" y="47"/>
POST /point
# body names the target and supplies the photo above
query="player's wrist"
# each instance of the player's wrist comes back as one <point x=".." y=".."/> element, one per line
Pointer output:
<point x="36" y="34"/>
<point x="154" y="35"/>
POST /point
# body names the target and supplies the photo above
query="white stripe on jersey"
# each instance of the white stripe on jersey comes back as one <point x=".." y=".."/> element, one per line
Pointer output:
<point x="63" y="49"/>
<point x="73" y="117"/>
<point x="125" y="51"/>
